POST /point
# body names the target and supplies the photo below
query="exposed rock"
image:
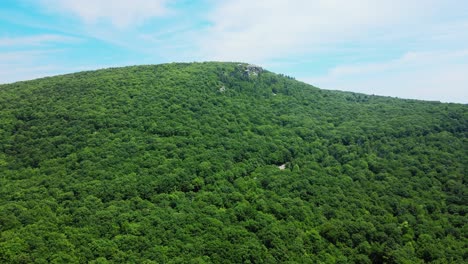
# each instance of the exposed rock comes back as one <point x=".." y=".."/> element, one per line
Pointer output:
<point x="253" y="70"/>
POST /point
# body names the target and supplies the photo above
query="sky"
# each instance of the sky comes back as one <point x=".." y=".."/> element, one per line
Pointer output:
<point x="402" y="48"/>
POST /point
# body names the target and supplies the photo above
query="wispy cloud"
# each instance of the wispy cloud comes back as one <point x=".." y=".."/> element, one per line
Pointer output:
<point x="262" y="30"/>
<point x="32" y="56"/>
<point x="36" y="40"/>
<point x="120" y="13"/>
<point x="31" y="64"/>
<point x="24" y="65"/>
<point x="437" y="75"/>
<point x="409" y="61"/>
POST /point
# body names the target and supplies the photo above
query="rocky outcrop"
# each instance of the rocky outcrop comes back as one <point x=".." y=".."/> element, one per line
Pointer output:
<point x="253" y="70"/>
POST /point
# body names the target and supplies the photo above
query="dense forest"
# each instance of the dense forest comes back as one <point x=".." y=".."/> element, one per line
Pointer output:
<point x="226" y="163"/>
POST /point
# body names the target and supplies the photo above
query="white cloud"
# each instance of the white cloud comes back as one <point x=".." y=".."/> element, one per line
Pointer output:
<point x="437" y="76"/>
<point x="29" y="57"/>
<point x="35" y="40"/>
<point x="262" y="30"/>
<point x="24" y="65"/>
<point x="31" y="64"/>
<point x="120" y="13"/>
<point x="409" y="61"/>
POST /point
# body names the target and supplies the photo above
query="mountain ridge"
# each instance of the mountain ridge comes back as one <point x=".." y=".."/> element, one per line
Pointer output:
<point x="244" y="65"/>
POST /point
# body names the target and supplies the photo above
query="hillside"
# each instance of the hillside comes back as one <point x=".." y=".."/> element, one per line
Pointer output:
<point x="179" y="163"/>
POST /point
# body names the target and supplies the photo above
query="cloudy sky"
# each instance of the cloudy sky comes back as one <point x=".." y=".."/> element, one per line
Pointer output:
<point x="403" y="48"/>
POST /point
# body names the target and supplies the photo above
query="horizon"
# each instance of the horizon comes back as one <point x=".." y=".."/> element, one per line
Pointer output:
<point x="412" y="50"/>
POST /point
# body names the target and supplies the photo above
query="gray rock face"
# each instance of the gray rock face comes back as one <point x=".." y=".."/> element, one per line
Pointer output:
<point x="253" y="70"/>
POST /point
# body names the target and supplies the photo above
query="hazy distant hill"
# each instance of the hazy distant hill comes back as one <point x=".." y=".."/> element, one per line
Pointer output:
<point x="179" y="163"/>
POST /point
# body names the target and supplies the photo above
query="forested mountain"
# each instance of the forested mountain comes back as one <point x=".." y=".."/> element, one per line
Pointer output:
<point x="180" y="163"/>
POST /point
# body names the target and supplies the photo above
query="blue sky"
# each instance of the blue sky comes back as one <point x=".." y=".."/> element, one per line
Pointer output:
<point x="402" y="48"/>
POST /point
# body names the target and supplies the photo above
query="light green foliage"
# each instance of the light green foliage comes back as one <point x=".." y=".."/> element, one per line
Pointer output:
<point x="153" y="164"/>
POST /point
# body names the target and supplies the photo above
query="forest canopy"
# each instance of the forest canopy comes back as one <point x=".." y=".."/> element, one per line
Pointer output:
<point x="179" y="163"/>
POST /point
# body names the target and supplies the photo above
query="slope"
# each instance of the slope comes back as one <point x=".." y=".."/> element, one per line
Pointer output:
<point x="178" y="163"/>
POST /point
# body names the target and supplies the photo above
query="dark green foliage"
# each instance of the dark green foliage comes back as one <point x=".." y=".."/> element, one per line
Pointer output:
<point x="178" y="163"/>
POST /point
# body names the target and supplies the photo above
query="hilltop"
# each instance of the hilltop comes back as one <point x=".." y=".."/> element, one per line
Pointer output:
<point x="180" y="162"/>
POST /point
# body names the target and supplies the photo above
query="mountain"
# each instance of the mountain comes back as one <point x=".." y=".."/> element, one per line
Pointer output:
<point x="226" y="163"/>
